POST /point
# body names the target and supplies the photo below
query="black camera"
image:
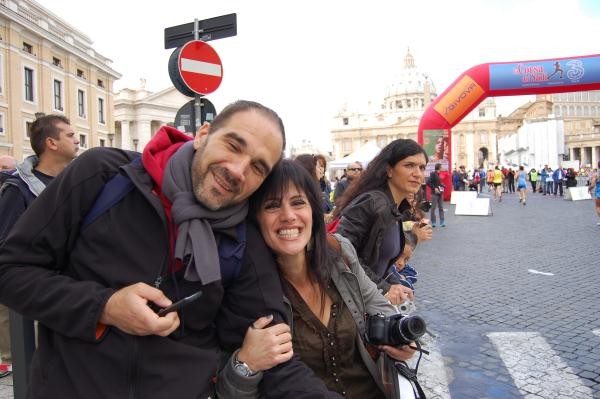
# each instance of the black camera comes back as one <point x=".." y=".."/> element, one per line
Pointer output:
<point x="396" y="330"/>
<point x="425" y="206"/>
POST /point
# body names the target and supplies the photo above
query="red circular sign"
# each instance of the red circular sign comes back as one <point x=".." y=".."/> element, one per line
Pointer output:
<point x="200" y="67"/>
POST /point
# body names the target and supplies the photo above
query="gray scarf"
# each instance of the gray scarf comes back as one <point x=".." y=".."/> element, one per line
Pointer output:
<point x="196" y="222"/>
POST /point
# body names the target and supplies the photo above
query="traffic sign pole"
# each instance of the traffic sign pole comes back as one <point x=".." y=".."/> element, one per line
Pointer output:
<point x="197" y="97"/>
<point x="195" y="68"/>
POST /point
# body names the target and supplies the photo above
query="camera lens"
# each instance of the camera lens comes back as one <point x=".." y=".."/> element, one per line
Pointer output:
<point x="407" y="329"/>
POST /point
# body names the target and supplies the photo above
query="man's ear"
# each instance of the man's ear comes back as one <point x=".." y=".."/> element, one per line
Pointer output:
<point x="51" y="143"/>
<point x="201" y="134"/>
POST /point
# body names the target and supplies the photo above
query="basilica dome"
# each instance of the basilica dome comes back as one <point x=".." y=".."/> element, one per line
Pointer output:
<point x="411" y="89"/>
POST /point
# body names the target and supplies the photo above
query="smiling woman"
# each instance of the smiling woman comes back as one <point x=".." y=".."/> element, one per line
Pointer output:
<point x="327" y="293"/>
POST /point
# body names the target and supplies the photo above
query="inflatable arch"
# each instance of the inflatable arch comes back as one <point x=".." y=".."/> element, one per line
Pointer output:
<point x="495" y="80"/>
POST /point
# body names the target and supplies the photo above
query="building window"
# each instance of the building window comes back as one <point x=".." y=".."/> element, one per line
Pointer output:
<point x="345" y="121"/>
<point x="83" y="141"/>
<point x="28" y="48"/>
<point x="100" y="83"/>
<point x="398" y="104"/>
<point x="347" y="145"/>
<point x="80" y="74"/>
<point x="481" y="112"/>
<point x="1" y="124"/>
<point x="28" y="84"/>
<point x="58" y="95"/>
<point x="483" y="138"/>
<point x="81" y="103"/>
<point x="28" y="128"/>
<point x="101" y="111"/>
<point x="102" y="142"/>
<point x="1" y="74"/>
<point x="56" y="62"/>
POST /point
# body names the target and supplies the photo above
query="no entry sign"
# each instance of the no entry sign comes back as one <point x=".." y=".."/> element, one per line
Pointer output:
<point x="199" y="67"/>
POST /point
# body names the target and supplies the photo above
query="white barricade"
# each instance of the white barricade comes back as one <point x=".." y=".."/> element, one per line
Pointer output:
<point x="577" y="193"/>
<point x="474" y="207"/>
<point x="458" y="196"/>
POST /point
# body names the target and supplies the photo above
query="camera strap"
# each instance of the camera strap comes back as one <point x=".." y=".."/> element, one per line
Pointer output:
<point x="411" y="376"/>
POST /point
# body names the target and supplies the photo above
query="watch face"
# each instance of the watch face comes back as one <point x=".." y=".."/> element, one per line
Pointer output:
<point x="242" y="369"/>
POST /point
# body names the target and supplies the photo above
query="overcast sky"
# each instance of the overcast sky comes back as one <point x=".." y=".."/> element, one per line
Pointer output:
<point x="305" y="59"/>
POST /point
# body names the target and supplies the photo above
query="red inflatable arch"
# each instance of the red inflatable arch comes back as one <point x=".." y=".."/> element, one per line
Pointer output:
<point x="494" y="80"/>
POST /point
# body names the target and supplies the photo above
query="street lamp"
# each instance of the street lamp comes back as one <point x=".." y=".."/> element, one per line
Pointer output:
<point x="111" y="137"/>
<point x="135" y="144"/>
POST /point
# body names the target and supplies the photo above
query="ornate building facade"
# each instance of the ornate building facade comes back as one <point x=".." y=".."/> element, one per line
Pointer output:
<point x="581" y="114"/>
<point x="139" y="113"/>
<point x="48" y="66"/>
<point x="477" y="139"/>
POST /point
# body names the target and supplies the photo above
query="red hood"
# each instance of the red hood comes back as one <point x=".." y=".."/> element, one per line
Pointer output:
<point x="159" y="150"/>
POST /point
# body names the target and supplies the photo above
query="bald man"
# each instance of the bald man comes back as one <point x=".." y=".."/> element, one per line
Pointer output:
<point x="7" y="162"/>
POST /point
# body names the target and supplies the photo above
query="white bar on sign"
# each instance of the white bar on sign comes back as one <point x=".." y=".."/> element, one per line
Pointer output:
<point x="536" y="368"/>
<point x="205" y="68"/>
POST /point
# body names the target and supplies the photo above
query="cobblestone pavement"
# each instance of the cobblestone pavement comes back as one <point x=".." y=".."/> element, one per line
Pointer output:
<point x="502" y="331"/>
<point x="514" y="302"/>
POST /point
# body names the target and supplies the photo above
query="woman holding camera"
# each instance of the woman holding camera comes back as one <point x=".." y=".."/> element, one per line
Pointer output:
<point x="370" y="214"/>
<point x="325" y="287"/>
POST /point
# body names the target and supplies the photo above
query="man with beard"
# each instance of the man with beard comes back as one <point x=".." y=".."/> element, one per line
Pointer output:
<point x="179" y="230"/>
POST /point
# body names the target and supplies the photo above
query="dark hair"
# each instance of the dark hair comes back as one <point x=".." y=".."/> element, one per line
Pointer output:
<point x="42" y="128"/>
<point x="245" y="105"/>
<point x="410" y="238"/>
<point x="375" y="176"/>
<point x="438" y="166"/>
<point x="289" y="173"/>
<point x="308" y="162"/>
<point x="319" y="157"/>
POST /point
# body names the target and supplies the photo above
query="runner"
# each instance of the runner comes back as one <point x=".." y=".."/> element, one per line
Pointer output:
<point x="522" y="185"/>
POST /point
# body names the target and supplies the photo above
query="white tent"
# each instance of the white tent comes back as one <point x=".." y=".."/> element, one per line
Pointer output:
<point x="364" y="155"/>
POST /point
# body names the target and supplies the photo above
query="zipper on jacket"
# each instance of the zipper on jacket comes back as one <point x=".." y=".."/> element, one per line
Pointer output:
<point x="158" y="281"/>
<point x="133" y="371"/>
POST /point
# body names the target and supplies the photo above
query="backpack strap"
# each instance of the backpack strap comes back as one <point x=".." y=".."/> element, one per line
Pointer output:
<point x="112" y="192"/>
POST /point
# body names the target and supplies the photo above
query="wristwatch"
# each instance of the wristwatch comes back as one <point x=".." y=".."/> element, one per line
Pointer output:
<point x="242" y="368"/>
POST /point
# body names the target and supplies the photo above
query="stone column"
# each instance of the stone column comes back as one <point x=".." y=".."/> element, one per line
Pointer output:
<point x="470" y="151"/>
<point x="125" y="136"/>
<point x="144" y="134"/>
<point x="595" y="151"/>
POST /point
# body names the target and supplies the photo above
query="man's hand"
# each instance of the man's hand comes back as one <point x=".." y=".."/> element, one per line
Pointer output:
<point x="266" y="347"/>
<point x="398" y="294"/>
<point x="128" y="310"/>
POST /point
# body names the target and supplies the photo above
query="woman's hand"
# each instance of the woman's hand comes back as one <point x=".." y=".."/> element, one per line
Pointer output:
<point x="266" y="347"/>
<point x="398" y="293"/>
<point x="402" y="353"/>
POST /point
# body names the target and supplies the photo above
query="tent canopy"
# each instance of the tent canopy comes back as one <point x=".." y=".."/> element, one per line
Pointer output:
<point x="364" y="155"/>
